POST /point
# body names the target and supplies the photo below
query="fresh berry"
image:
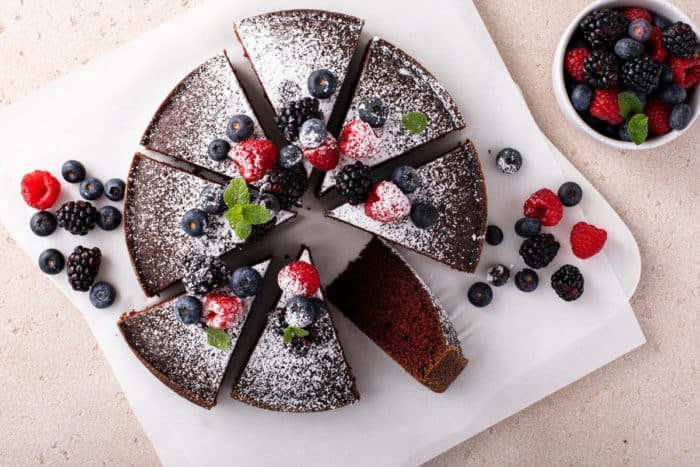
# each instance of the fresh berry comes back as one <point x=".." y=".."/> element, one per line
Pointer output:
<point x="573" y="63"/>
<point x="387" y="203"/>
<point x="570" y="194"/>
<point x="604" y="106"/>
<point x="659" y="115"/>
<point x="528" y="226"/>
<point x="326" y="156"/>
<point x="539" y="250"/>
<point x="114" y="189"/>
<point x="43" y="223"/>
<point x="40" y="189"/>
<point x="358" y="140"/>
<point x="194" y="222"/>
<point x="291" y="117"/>
<point x="509" y="160"/>
<point x="246" y="282"/>
<point x="290" y="156"/>
<point x="480" y="294"/>
<point x="73" y="171"/>
<point x="77" y="217"/>
<point x="600" y="70"/>
<point x="623" y="134"/>
<point x="218" y="150"/>
<point x="581" y="97"/>
<point x="641" y="74"/>
<point x="211" y="199"/>
<point x="254" y="158"/>
<point x="91" y="188"/>
<point x="222" y="311"/>
<point x="373" y="111"/>
<point x="269" y="202"/>
<point x="322" y="83"/>
<point x="202" y="274"/>
<point x="587" y="240"/>
<point x="680" y="40"/>
<point x="632" y="14"/>
<point x="655" y="48"/>
<point x="300" y="312"/>
<point x="527" y="280"/>
<point x="567" y="282"/>
<point x="109" y="218"/>
<point x="640" y="30"/>
<point x="661" y="22"/>
<point x="494" y="235"/>
<point x="51" y="261"/>
<point x="406" y="178"/>
<point x="680" y="116"/>
<point x="424" y="214"/>
<point x="545" y="206"/>
<point x="353" y="182"/>
<point x="188" y="309"/>
<point x="601" y="28"/>
<point x="686" y="71"/>
<point x="312" y="133"/>
<point x="627" y="48"/>
<point x="287" y="185"/>
<point x="83" y="266"/>
<point x="240" y="127"/>
<point x="320" y="307"/>
<point x="299" y="278"/>
<point x="498" y="275"/>
<point x="672" y="94"/>
<point x="666" y="74"/>
<point x="102" y="295"/>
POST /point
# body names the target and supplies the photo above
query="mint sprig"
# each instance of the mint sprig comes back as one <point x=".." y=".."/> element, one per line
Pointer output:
<point x="415" y="122"/>
<point x="636" y="123"/>
<point x="242" y="215"/>
<point x="292" y="331"/>
<point x="218" y="338"/>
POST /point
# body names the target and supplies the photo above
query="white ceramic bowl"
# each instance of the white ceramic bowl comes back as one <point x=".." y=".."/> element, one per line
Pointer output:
<point x="661" y="7"/>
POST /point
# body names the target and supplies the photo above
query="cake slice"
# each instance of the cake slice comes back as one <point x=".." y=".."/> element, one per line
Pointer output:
<point x="308" y="374"/>
<point x="402" y="85"/>
<point x="384" y="297"/>
<point x="179" y="354"/>
<point x="157" y="196"/>
<point x="454" y="184"/>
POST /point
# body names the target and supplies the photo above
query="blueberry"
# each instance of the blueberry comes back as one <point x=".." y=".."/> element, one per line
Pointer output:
<point x="581" y="97"/>
<point x="51" y="261"/>
<point x="373" y="111"/>
<point x="639" y="30"/>
<point x="270" y="202"/>
<point x="480" y="294"/>
<point x="406" y="178"/>
<point x="43" y="223"/>
<point x="526" y="280"/>
<point x="494" y="235"/>
<point x="300" y="312"/>
<point x="570" y="194"/>
<point x="528" y="226"/>
<point x="680" y="116"/>
<point x="424" y="214"/>
<point x="498" y="275"/>
<point x="509" y="160"/>
<point x="672" y="94"/>
<point x="290" y="156"/>
<point x="246" y="282"/>
<point x="194" y="222"/>
<point x="73" y="171"/>
<point x="661" y="22"/>
<point x="640" y="95"/>
<point x="211" y="199"/>
<point x="623" y="134"/>
<point x="109" y="218"/>
<point x="312" y="133"/>
<point x="627" y="48"/>
<point x="322" y="83"/>
<point x="114" y="189"/>
<point x="218" y="150"/>
<point x="91" y="188"/>
<point x="666" y="74"/>
<point x="240" y="127"/>
<point x="188" y="309"/>
<point x="320" y="308"/>
<point x="102" y="295"/>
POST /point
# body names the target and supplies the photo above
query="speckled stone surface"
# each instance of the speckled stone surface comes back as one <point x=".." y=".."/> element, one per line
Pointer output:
<point x="638" y="410"/>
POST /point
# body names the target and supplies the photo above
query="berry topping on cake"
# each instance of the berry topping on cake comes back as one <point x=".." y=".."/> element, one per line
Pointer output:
<point x="509" y="160"/>
<point x="211" y="199"/>
<point x="659" y="115"/>
<point x="291" y="117"/>
<point x="299" y="278"/>
<point x="320" y="307"/>
<point x="680" y="116"/>
<point x="322" y="83"/>
<point x="604" y="106"/>
<point x="287" y="185"/>
<point x="194" y="222"/>
<point x="406" y="178"/>
<point x="681" y="40"/>
<point x="424" y="214"/>
<point x="387" y="203"/>
<point x="373" y="111"/>
<point x="40" y="189"/>
<point x="627" y="48"/>
<point x="73" y="171"/>
<point x="312" y="133"/>
<point x="326" y="156"/>
<point x="539" y="250"/>
<point x="218" y="150"/>
<point x="545" y="206"/>
<point x="222" y="311"/>
<point x="528" y="226"/>
<point x="494" y="235"/>
<point x="354" y="183"/>
<point x="77" y="217"/>
<point x="300" y="312"/>
<point x="51" y="261"/>
<point x="240" y="127"/>
<point x="686" y="71"/>
<point x="567" y="282"/>
<point x="43" y="223"/>
<point x="102" y="295"/>
<point x="600" y="70"/>
<point x="601" y="28"/>
<point x="246" y="282"/>
<point x="573" y="63"/>
<point x="527" y="280"/>
<point x="254" y="158"/>
<point x="204" y="274"/>
<point x="480" y="294"/>
<point x="498" y="275"/>
<point x="188" y="309"/>
<point x="358" y="140"/>
<point x="633" y="13"/>
<point x="290" y="156"/>
<point x="91" y="188"/>
<point x="83" y="266"/>
<point x="641" y="74"/>
<point x="640" y="29"/>
<point x="570" y="194"/>
<point x="109" y="218"/>
<point x="587" y="240"/>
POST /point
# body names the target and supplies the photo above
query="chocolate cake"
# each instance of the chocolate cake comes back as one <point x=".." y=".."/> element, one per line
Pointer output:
<point x="275" y="378"/>
<point x="454" y="184"/>
<point x="197" y="111"/>
<point x="178" y="354"/>
<point x="399" y="313"/>
<point x="157" y="195"/>
<point x="403" y="85"/>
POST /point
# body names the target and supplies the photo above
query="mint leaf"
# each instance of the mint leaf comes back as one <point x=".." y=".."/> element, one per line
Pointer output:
<point x="638" y="128"/>
<point x="236" y="192"/>
<point x="255" y="214"/>
<point x="415" y="122"/>
<point x="629" y="104"/>
<point x="242" y="229"/>
<point x="288" y="333"/>
<point x="299" y="332"/>
<point x="234" y="216"/>
<point x="218" y="338"/>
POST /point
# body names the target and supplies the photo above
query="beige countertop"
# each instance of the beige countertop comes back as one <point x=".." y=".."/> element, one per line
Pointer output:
<point x="60" y="402"/>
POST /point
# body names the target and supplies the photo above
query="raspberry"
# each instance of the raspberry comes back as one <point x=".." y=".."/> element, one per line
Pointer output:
<point x="659" y="115"/>
<point x="604" y="106"/>
<point x="587" y="239"/>
<point x="326" y="156"/>
<point x="254" y="158"/>
<point x="655" y="48"/>
<point x="633" y="13"/>
<point x="544" y="205"/>
<point x="686" y="71"/>
<point x="358" y="139"/>
<point x="40" y="189"/>
<point x="299" y="278"/>
<point x="387" y="203"/>
<point x="222" y="311"/>
<point x="573" y="63"/>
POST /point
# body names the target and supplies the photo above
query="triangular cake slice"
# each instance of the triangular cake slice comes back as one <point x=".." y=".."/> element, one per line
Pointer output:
<point x="197" y="111"/>
<point x="157" y="196"/>
<point x="400" y="314"/>
<point x="278" y="378"/>
<point x="403" y="85"/>
<point x="179" y="354"/>
<point x="454" y="184"/>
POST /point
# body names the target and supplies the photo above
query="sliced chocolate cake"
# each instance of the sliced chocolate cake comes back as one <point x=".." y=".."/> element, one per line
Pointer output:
<point x="402" y="101"/>
<point x="448" y="210"/>
<point x="400" y="314"/>
<point x="180" y="354"/>
<point x="298" y="364"/>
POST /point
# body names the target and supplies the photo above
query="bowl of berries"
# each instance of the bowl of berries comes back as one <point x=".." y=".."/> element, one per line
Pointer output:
<point x="627" y="72"/>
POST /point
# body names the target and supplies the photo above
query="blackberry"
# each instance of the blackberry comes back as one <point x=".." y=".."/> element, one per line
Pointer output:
<point x="539" y="250"/>
<point x="354" y="183"/>
<point x="600" y="69"/>
<point x="203" y="274"/>
<point x="77" y="217"/>
<point x="83" y="265"/>
<point x="601" y="28"/>
<point x="290" y="118"/>
<point x="681" y="40"/>
<point x="288" y="185"/>
<point x="567" y="282"/>
<point x="277" y="322"/>
<point x="641" y="74"/>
